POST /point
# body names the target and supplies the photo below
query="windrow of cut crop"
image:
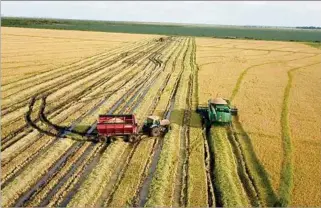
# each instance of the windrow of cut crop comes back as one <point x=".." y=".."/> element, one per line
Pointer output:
<point x="69" y="82"/>
<point x="73" y="145"/>
<point x="86" y="90"/>
<point x="227" y="182"/>
<point x="242" y="169"/>
<point x="107" y="181"/>
<point x="80" y="72"/>
<point x="11" y="192"/>
<point x="51" y="183"/>
<point x="59" y="48"/>
<point x="18" y="123"/>
<point x="162" y="189"/>
<point x="87" y="106"/>
<point x="162" y="109"/>
<point x="197" y="178"/>
<point x="124" y="193"/>
<point x="146" y="106"/>
<point x="108" y="162"/>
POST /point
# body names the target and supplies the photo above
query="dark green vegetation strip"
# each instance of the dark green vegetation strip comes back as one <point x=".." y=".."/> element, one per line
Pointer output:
<point x="181" y="30"/>
<point x="286" y="180"/>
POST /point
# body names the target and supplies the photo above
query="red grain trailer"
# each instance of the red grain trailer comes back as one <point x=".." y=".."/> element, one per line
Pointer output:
<point x="109" y="126"/>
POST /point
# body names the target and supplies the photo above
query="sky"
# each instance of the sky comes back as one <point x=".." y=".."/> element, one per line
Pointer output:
<point x="264" y="13"/>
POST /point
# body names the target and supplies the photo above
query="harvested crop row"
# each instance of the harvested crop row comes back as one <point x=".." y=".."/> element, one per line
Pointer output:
<point x="91" y="100"/>
<point x="73" y="144"/>
<point x="242" y="170"/>
<point x="161" y="191"/>
<point x="93" y="201"/>
<point x="36" y="77"/>
<point x="162" y="109"/>
<point x="101" y="79"/>
<point x="42" y="196"/>
<point x="55" y="73"/>
<point x="227" y="182"/>
<point x="88" y="106"/>
<point x="96" y="184"/>
<point x="65" y="81"/>
<point x="197" y="178"/>
<point x="138" y="163"/>
<point x="11" y="192"/>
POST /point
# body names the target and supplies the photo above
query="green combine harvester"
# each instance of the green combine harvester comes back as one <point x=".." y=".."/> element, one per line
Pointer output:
<point x="218" y="111"/>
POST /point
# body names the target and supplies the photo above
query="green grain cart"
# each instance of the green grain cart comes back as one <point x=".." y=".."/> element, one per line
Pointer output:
<point x="218" y="111"/>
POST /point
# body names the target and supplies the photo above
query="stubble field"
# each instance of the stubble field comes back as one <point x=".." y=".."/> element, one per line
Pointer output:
<point x="54" y="80"/>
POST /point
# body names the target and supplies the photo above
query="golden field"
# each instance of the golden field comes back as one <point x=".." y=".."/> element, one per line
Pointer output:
<point x="56" y="83"/>
<point x="254" y="75"/>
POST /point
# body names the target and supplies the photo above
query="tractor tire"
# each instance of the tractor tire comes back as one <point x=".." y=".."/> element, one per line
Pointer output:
<point x="101" y="138"/>
<point x="155" y="132"/>
<point x="133" y="138"/>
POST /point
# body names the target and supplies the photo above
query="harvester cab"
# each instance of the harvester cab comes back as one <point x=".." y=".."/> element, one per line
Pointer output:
<point x="154" y="126"/>
<point x="218" y="110"/>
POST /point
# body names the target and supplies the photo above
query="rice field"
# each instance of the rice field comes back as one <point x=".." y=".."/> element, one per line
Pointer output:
<point x="265" y="81"/>
<point x="56" y="83"/>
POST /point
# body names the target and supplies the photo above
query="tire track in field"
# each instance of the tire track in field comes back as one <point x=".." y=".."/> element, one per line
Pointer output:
<point x="103" y="63"/>
<point x="208" y="160"/>
<point x="181" y="187"/>
<point x="63" y="83"/>
<point x="47" y="146"/>
<point x="80" y="63"/>
<point x="247" y="175"/>
<point x="52" y="170"/>
<point x="241" y="77"/>
<point x="142" y="194"/>
<point x="243" y="170"/>
<point x="130" y="152"/>
<point x="50" y="72"/>
<point x="135" y="94"/>
<point x="107" y="197"/>
<point x="102" y="79"/>
<point x="84" y="92"/>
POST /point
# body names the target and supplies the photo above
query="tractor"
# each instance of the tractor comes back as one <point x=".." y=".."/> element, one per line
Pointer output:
<point x="217" y="111"/>
<point x="155" y="127"/>
<point x="111" y="126"/>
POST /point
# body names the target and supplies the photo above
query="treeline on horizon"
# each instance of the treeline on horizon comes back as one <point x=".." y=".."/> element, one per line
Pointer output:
<point x="235" y="32"/>
<point x="309" y="27"/>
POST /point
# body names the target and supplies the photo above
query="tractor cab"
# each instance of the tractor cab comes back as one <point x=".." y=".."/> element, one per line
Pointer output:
<point x="219" y="110"/>
<point x="154" y="126"/>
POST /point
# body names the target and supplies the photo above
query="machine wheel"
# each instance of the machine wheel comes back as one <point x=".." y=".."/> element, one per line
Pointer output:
<point x="133" y="138"/>
<point x="101" y="138"/>
<point x="155" y="132"/>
